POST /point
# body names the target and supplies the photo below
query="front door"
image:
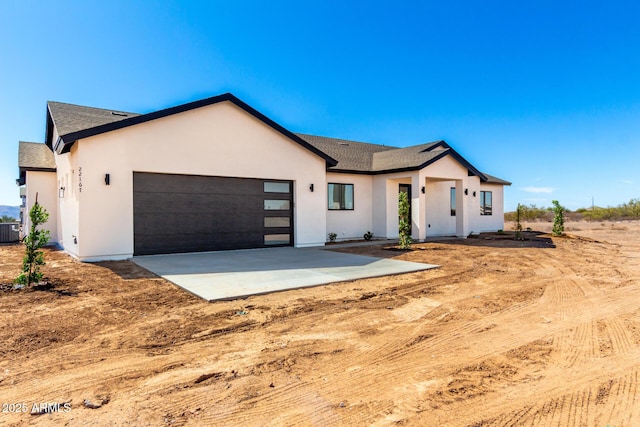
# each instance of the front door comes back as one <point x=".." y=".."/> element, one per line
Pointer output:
<point x="406" y="188"/>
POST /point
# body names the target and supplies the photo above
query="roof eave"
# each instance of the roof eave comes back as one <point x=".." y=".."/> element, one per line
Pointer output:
<point x="35" y="169"/>
<point x="501" y="182"/>
<point x="377" y="172"/>
<point x="449" y="151"/>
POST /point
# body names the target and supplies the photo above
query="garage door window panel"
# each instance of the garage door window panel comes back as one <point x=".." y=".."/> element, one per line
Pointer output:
<point x="277" y="221"/>
<point x="277" y="239"/>
<point x="277" y="187"/>
<point x="276" y="205"/>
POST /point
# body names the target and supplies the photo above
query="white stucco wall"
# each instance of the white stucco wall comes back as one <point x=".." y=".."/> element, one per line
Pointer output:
<point x="69" y="205"/>
<point x="438" y="208"/>
<point x="495" y="221"/>
<point x="44" y="185"/>
<point x="352" y="224"/>
<point x="216" y="140"/>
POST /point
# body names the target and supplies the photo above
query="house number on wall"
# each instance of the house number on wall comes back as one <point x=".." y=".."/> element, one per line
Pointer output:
<point x="80" y="179"/>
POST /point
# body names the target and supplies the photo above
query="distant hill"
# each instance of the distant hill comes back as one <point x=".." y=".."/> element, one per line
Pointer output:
<point x="12" y="211"/>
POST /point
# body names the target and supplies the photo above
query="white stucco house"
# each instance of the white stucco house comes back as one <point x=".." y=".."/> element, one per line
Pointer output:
<point x="217" y="174"/>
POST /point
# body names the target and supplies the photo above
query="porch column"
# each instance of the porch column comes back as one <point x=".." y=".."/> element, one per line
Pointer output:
<point x="461" y="213"/>
<point x="419" y="211"/>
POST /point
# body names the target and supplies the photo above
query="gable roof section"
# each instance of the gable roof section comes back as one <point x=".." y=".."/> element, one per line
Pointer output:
<point x="75" y="122"/>
<point x="352" y="156"/>
<point x="374" y="159"/>
<point x="35" y="156"/>
<point x="70" y="118"/>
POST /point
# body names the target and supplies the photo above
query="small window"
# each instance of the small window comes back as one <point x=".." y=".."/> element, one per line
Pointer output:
<point x="276" y="187"/>
<point x="453" y="201"/>
<point x="276" y="205"/>
<point x="341" y="197"/>
<point x="277" y="239"/>
<point x="486" y="203"/>
<point x="277" y="221"/>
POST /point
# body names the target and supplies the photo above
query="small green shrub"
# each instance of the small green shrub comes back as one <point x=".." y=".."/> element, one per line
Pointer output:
<point x="404" y="225"/>
<point x="558" y="219"/>
<point x="518" y="224"/>
<point x="368" y="236"/>
<point x="34" y="241"/>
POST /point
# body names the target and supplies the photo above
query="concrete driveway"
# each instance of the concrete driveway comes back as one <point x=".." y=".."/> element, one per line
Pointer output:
<point x="233" y="274"/>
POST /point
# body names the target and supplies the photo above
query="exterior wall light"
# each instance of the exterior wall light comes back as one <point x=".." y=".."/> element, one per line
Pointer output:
<point x="311" y="188"/>
<point x="474" y="194"/>
<point x="423" y="189"/>
<point x="107" y="179"/>
<point x="466" y="191"/>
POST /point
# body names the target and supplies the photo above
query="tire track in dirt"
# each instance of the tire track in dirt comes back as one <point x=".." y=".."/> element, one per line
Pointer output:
<point x="621" y="341"/>
<point x="477" y="350"/>
<point x="300" y="395"/>
<point x="617" y="398"/>
<point x="576" y="344"/>
<point x="399" y="345"/>
<point x="611" y="401"/>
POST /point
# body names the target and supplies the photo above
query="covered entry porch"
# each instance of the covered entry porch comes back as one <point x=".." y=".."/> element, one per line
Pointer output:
<point x="442" y="197"/>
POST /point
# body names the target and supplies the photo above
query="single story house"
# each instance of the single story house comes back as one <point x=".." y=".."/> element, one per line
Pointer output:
<point x="216" y="174"/>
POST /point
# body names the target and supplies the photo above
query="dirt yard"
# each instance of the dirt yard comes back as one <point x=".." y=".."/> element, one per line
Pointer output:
<point x="541" y="332"/>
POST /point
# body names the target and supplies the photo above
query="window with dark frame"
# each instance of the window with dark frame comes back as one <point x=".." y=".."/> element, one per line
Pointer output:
<point x="453" y="201"/>
<point x="486" y="203"/>
<point x="340" y="197"/>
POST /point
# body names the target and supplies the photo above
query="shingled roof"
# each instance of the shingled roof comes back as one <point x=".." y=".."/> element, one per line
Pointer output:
<point x="35" y="156"/>
<point x="351" y="155"/>
<point x="69" y="118"/>
<point x="494" y="180"/>
<point x="367" y="158"/>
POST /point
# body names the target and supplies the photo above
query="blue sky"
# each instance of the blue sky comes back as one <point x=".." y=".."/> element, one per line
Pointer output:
<point x="545" y="94"/>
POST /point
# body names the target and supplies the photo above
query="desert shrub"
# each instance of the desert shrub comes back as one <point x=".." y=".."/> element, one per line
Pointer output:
<point x="528" y="213"/>
<point x="34" y="241"/>
<point x="404" y="225"/>
<point x="368" y="235"/>
<point x="629" y="210"/>
<point x="332" y="237"/>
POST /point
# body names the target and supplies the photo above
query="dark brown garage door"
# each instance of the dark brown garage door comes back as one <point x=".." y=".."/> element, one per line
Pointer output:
<point x="189" y="213"/>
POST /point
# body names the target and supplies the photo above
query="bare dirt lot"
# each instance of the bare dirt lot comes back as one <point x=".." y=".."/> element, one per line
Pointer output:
<point x="538" y="332"/>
